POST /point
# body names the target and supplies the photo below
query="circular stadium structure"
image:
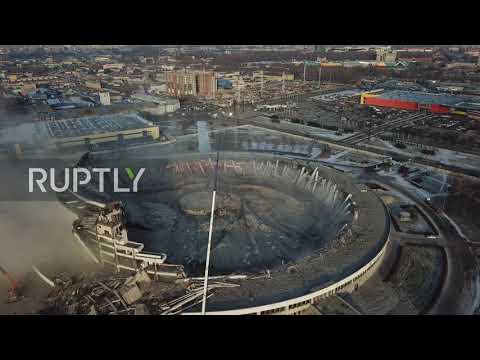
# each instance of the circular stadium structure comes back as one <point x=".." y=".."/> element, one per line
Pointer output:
<point x="286" y="232"/>
<point x="268" y="213"/>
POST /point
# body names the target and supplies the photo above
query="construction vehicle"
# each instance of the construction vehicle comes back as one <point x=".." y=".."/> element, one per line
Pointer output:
<point x="14" y="291"/>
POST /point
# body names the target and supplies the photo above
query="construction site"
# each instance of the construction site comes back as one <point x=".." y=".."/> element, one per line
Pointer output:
<point x="239" y="180"/>
<point x="313" y="215"/>
<point x="299" y="226"/>
<point x="294" y="206"/>
<point x="254" y="235"/>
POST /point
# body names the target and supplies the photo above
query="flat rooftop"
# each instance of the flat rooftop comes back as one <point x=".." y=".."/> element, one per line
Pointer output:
<point x="336" y="95"/>
<point x="430" y="98"/>
<point x="93" y="125"/>
<point x="159" y="100"/>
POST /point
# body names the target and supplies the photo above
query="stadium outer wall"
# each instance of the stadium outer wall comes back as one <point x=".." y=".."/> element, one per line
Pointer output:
<point x="297" y="306"/>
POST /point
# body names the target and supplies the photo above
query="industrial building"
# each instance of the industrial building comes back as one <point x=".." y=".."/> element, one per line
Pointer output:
<point x="104" y="98"/>
<point x="224" y="84"/>
<point x="386" y="55"/>
<point x="417" y="100"/>
<point x="28" y="88"/>
<point x="95" y="130"/>
<point x="160" y="105"/>
<point x="95" y="85"/>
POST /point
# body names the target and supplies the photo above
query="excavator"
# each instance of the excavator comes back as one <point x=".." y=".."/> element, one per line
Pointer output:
<point x="14" y="291"/>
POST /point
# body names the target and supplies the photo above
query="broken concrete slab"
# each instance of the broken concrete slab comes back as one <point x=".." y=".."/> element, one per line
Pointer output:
<point x="130" y="293"/>
<point x="92" y="311"/>
<point x="141" y="279"/>
<point x="71" y="309"/>
<point x="141" y="309"/>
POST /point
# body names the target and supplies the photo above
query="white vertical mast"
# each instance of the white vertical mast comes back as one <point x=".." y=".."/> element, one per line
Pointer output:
<point x="207" y="262"/>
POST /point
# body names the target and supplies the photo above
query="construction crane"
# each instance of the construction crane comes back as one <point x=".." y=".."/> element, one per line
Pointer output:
<point x="304" y="71"/>
<point x="238" y="91"/>
<point x="14" y="291"/>
<point x="210" y="232"/>
<point x="307" y="63"/>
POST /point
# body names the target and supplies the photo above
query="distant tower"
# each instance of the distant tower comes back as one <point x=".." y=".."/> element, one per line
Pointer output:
<point x="18" y="151"/>
<point x="238" y="90"/>
<point x="319" y="74"/>
<point x="304" y="70"/>
<point x="261" y="83"/>
<point x="238" y="96"/>
<point x="104" y="98"/>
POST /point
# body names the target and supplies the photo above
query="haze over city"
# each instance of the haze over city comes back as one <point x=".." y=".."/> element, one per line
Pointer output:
<point x="257" y="179"/>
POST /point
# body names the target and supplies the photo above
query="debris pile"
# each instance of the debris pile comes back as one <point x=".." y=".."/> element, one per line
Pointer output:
<point x="118" y="294"/>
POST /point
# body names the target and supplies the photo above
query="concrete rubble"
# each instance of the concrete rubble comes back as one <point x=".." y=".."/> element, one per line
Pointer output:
<point x="119" y="294"/>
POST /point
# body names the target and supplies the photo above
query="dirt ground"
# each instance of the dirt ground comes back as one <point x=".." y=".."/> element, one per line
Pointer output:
<point x="463" y="206"/>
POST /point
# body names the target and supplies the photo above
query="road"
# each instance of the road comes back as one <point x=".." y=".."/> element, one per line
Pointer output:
<point x="459" y="288"/>
<point x="389" y="125"/>
<point x="247" y="115"/>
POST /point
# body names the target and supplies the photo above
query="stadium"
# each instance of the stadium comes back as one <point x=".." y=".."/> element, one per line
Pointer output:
<point x="286" y="234"/>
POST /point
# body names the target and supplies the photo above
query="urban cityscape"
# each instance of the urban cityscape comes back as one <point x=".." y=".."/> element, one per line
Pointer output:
<point x="240" y="180"/>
